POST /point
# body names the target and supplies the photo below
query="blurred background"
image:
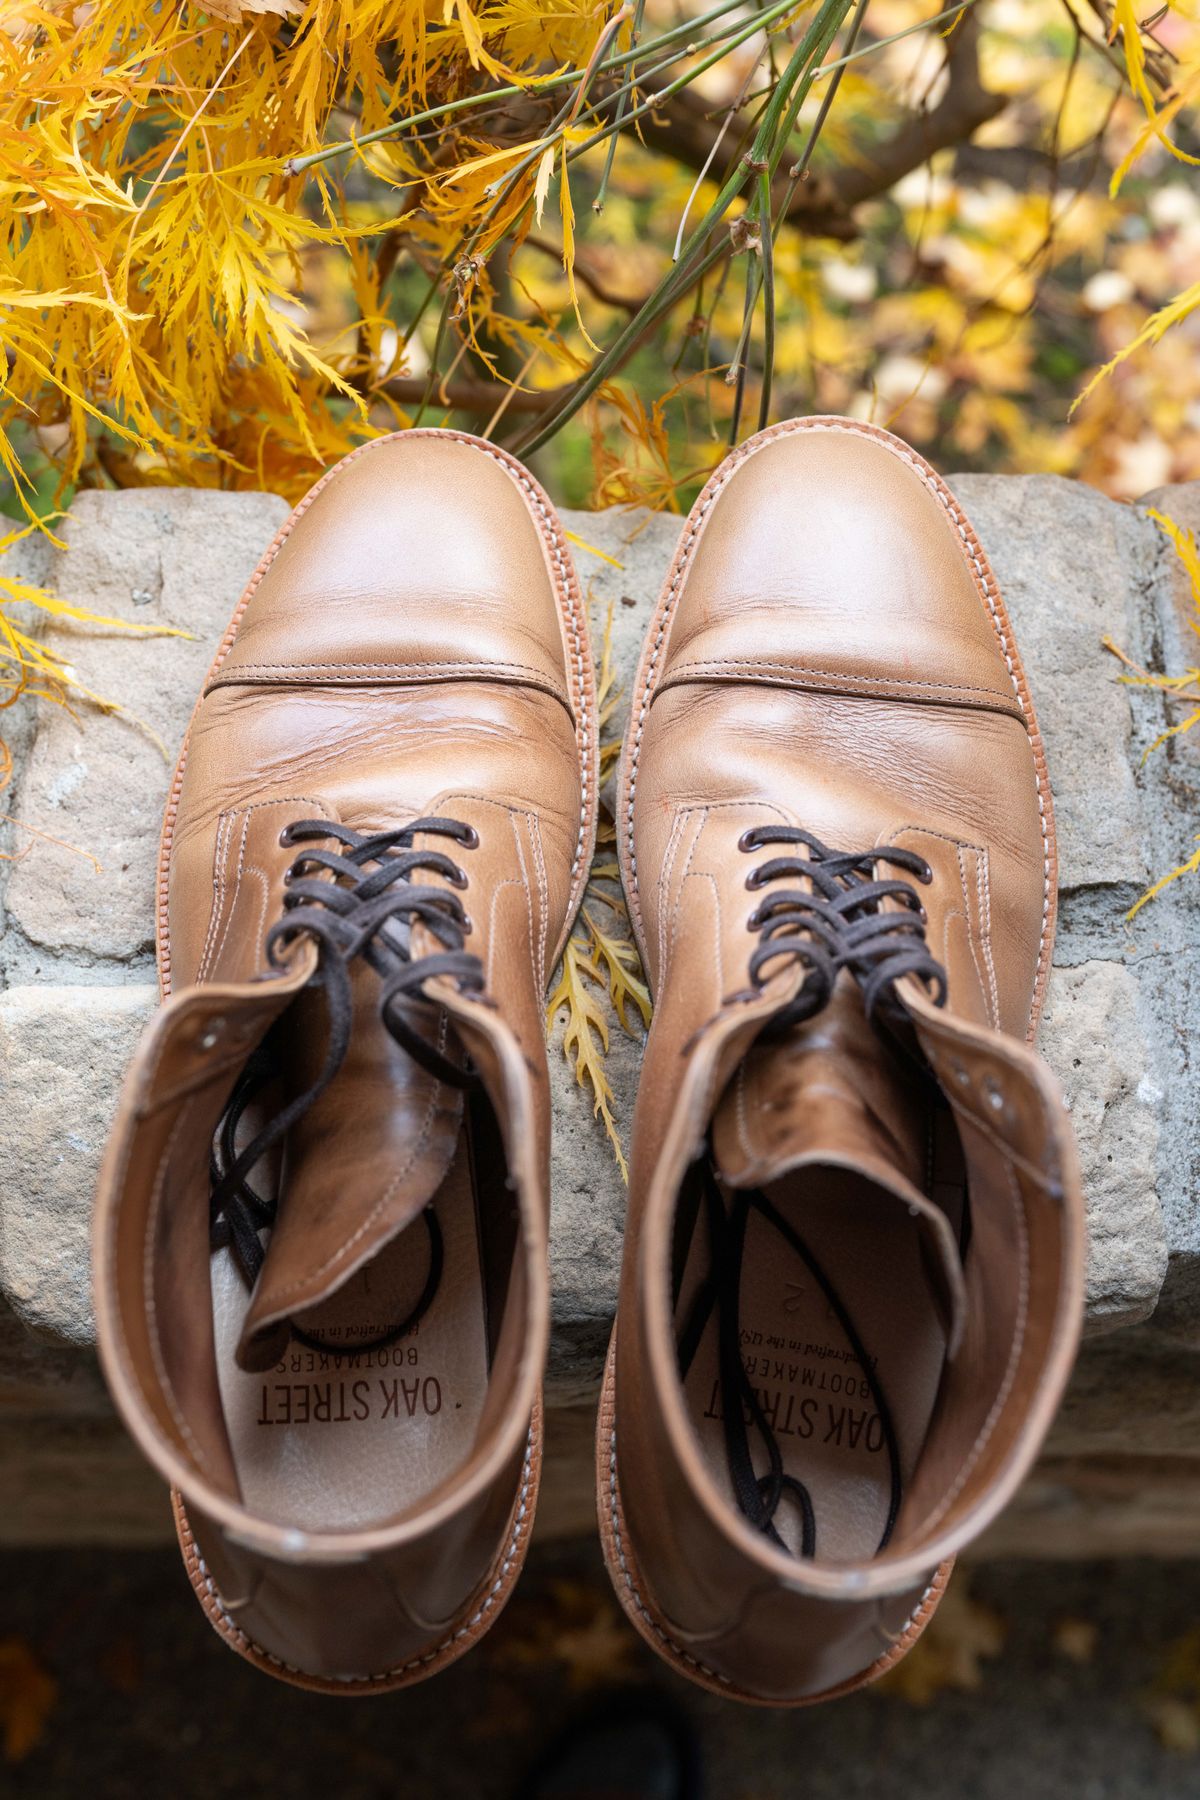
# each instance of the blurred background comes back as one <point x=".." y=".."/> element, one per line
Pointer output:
<point x="1043" y="1681"/>
<point x="247" y="235"/>
<point x="237" y="239"/>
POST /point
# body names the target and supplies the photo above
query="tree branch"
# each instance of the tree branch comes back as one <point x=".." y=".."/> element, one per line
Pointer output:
<point x="589" y="276"/>
<point x="824" y="205"/>
<point x="958" y="115"/>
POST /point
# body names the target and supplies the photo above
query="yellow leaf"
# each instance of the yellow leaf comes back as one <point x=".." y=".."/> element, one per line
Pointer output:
<point x="1156" y="325"/>
<point x="567" y="208"/>
<point x="585" y="1035"/>
<point x="476" y="163"/>
<point x="1190" y="867"/>
<point x="542" y="185"/>
<point x="619" y="957"/>
<point x="582" y="544"/>
<point x="28" y="1695"/>
<point x="1125" y="21"/>
<point x="1184" y="541"/>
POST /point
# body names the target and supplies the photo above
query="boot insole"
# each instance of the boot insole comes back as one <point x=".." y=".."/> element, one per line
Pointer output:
<point x="800" y="1361"/>
<point x="335" y="1441"/>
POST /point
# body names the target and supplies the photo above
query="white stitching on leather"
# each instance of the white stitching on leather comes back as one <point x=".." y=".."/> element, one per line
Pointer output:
<point x="246" y="1642"/>
<point x="643" y="1609"/>
<point x="535" y="838"/>
<point x="988" y="998"/>
<point x="576" y="626"/>
<point x="983" y="875"/>
<point x="706" y="666"/>
<point x="562" y="566"/>
<point x="219" y="853"/>
<point x="664" y="1637"/>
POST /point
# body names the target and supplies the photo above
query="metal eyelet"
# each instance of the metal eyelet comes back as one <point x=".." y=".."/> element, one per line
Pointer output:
<point x="286" y="839"/>
<point x="458" y="879"/>
<point x="748" y="842"/>
<point x="925" y="875"/>
<point x="470" y="841"/>
<point x="993" y="1093"/>
<point x="211" y="1036"/>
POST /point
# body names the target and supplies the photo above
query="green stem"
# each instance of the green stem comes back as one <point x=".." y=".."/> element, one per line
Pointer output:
<point x="619" y="115"/>
<point x="737" y="369"/>
<point x="768" y="291"/>
<point x="740" y="31"/>
<point x="798" y="74"/>
<point x="843" y="62"/>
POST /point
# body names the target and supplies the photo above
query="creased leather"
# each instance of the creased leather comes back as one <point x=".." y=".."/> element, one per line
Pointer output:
<point x="830" y="651"/>
<point x="414" y="643"/>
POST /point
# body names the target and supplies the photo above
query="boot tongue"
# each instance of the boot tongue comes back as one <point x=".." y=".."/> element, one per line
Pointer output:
<point x="361" y="1164"/>
<point x="832" y="1093"/>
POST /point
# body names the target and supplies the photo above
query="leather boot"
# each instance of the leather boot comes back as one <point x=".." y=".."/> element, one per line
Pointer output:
<point x="852" y="1281"/>
<point x="320" y="1251"/>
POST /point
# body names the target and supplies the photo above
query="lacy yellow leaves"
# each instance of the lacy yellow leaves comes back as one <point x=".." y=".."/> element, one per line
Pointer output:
<point x="154" y="254"/>
<point x="601" y="956"/>
<point x="1125" y="21"/>
<point x="237" y="10"/>
<point x="585" y="1033"/>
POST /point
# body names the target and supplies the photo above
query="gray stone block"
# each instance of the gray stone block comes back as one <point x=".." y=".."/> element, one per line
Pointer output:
<point x="1092" y="1038"/>
<point x="63" y="1051"/>
<point x="158" y="559"/>
<point x="77" y="956"/>
<point x="1070" y="564"/>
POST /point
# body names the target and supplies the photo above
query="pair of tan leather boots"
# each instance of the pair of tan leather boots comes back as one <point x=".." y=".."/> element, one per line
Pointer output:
<point x="852" y="1277"/>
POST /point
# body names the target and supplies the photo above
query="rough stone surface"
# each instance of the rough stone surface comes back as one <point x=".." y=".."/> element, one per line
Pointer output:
<point x="158" y="560"/>
<point x="1090" y="1035"/>
<point x="63" y="1050"/>
<point x="1070" y="564"/>
<point x="77" y="961"/>
<point x="1166" y="959"/>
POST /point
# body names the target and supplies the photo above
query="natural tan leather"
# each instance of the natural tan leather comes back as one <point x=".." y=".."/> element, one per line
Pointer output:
<point x="831" y="652"/>
<point x="414" y="644"/>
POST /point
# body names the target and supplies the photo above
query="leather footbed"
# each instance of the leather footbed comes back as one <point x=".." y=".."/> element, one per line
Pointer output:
<point x="330" y="1440"/>
<point x="801" y="1363"/>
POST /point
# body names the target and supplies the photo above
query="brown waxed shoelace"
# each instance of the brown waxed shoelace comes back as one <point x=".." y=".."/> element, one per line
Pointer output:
<point x="833" y="923"/>
<point x="355" y="899"/>
<point x="837" y="921"/>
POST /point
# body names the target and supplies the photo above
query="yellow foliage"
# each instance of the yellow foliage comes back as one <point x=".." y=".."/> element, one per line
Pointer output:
<point x="1185" y="687"/>
<point x="585" y="1033"/>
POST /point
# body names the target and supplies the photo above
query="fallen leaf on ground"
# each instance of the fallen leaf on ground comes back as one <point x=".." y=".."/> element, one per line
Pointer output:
<point x="1173" y="1704"/>
<point x="579" y="1626"/>
<point x="28" y="1695"/>
<point x="950" y="1653"/>
<point x="1076" y="1639"/>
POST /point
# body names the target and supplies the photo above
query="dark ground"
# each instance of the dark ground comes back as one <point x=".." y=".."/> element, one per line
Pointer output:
<point x="1080" y="1672"/>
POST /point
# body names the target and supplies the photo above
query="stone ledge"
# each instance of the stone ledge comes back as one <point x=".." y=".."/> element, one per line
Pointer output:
<point x="77" y="954"/>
